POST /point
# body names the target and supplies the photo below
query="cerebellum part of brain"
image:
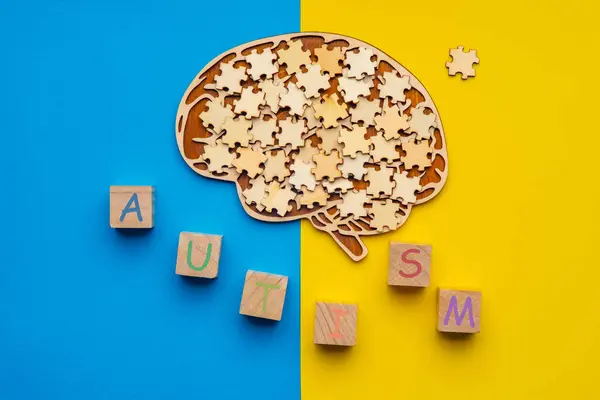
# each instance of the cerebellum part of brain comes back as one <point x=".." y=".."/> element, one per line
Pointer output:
<point x="369" y="102"/>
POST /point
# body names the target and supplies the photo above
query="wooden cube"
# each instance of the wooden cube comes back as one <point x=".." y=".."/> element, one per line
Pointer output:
<point x="131" y="207"/>
<point x="459" y="311"/>
<point x="264" y="295"/>
<point x="335" y="324"/>
<point x="198" y="255"/>
<point x="409" y="264"/>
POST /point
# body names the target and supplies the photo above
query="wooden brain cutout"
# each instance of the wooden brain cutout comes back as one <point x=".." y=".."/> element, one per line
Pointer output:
<point x="317" y="126"/>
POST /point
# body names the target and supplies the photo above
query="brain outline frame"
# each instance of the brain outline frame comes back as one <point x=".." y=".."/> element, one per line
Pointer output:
<point x="194" y="133"/>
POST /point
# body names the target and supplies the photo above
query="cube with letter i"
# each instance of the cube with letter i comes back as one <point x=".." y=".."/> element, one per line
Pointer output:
<point x="131" y="207"/>
<point x="409" y="265"/>
<point x="198" y="255"/>
<point x="459" y="311"/>
<point x="335" y="324"/>
<point x="263" y="295"/>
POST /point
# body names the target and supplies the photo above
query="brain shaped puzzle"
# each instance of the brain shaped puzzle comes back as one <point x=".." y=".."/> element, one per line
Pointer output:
<point x="317" y="126"/>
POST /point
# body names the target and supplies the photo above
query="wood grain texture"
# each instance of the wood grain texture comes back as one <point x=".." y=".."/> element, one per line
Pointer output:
<point x="459" y="311"/>
<point x="120" y="197"/>
<point x="192" y="136"/>
<point x="335" y="324"/>
<point x="263" y="295"/>
<point x="409" y="265"/>
<point x="198" y="255"/>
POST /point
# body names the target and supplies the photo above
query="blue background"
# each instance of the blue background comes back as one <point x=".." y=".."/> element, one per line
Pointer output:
<point x="89" y="92"/>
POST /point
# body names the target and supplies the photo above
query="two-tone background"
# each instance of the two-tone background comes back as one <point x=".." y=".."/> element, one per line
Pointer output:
<point x="88" y="95"/>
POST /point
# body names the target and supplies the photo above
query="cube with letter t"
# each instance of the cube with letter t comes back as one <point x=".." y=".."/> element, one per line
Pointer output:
<point x="264" y="295"/>
<point x="131" y="207"/>
<point x="459" y="311"/>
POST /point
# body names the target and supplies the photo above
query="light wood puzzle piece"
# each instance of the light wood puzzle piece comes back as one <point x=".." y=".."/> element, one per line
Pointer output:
<point x="459" y="311"/>
<point x="327" y="166"/>
<point x="380" y="182"/>
<point x="291" y="133"/>
<point x="132" y="207"/>
<point x="354" y="141"/>
<point x="354" y="204"/>
<point x="249" y="103"/>
<point x="416" y="155"/>
<point x="420" y="123"/>
<point x="330" y="110"/>
<point x="294" y="57"/>
<point x="391" y="122"/>
<point x="462" y="62"/>
<point x="330" y="60"/>
<point x="335" y="324"/>
<point x="303" y="176"/>
<point x="198" y="255"/>
<point x="387" y="78"/>
<point x="275" y="167"/>
<point x="409" y="265"/>
<point x="236" y="131"/>
<point x="231" y="78"/>
<point x="262" y="64"/>
<point x="360" y="63"/>
<point x="249" y="160"/>
<point x="263" y="295"/>
<point x="313" y="81"/>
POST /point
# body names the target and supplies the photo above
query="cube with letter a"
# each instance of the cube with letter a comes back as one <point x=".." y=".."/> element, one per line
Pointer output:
<point x="459" y="311"/>
<point x="131" y="207"/>
<point x="409" y="264"/>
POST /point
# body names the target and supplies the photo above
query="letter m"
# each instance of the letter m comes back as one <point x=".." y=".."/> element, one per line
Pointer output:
<point x="453" y="307"/>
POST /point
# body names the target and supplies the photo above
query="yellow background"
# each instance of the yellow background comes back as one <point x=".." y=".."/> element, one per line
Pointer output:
<point x="518" y="217"/>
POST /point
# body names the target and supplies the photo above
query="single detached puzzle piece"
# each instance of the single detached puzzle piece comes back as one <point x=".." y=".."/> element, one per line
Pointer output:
<point x="278" y="198"/>
<point x="360" y="63"/>
<point x="257" y="193"/>
<point x="327" y="166"/>
<point x="218" y="156"/>
<point x="262" y="64"/>
<point x="249" y="102"/>
<point x="249" y="160"/>
<point x="330" y="111"/>
<point x="384" y="215"/>
<point x="380" y="182"/>
<point x="312" y="81"/>
<point x="303" y="175"/>
<point x="294" y="57"/>
<point x="462" y="62"/>
<point x="231" y="78"/>
<point x="330" y="60"/>
<point x="236" y="131"/>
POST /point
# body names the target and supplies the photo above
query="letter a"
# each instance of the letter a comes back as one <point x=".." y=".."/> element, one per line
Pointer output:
<point x="453" y="307"/>
<point x="128" y="209"/>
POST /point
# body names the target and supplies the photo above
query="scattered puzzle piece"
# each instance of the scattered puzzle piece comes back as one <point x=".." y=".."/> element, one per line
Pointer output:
<point x="306" y="153"/>
<point x="303" y="175"/>
<point x="360" y="63"/>
<point x="257" y="193"/>
<point x="230" y="78"/>
<point x="263" y="131"/>
<point x="330" y="60"/>
<point x="339" y="185"/>
<point x="352" y="88"/>
<point x="312" y="81"/>
<point x="291" y="133"/>
<point x="275" y="167"/>
<point x="394" y="86"/>
<point x="380" y="182"/>
<point x="278" y="198"/>
<point x="309" y="116"/>
<point x="462" y="62"/>
<point x="329" y="139"/>
<point x="330" y="111"/>
<point x="218" y="157"/>
<point x="420" y="123"/>
<point x="249" y="102"/>
<point x="354" y="141"/>
<point x="354" y="167"/>
<point x="406" y="188"/>
<point x="391" y="122"/>
<point x="236" y="131"/>
<point x="384" y="149"/>
<point x="354" y="204"/>
<point x="294" y="57"/>
<point x="327" y="166"/>
<point x="216" y="114"/>
<point x="295" y="99"/>
<point x="273" y="90"/>
<point x="310" y="199"/>
<point x="365" y="111"/>
<point x="262" y="64"/>
<point x="249" y="160"/>
<point x="384" y="215"/>
<point x="416" y="155"/>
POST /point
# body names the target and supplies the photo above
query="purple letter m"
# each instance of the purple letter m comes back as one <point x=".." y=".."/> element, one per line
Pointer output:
<point x="459" y="318"/>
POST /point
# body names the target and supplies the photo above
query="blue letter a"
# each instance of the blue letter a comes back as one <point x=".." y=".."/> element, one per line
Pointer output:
<point x="128" y="208"/>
